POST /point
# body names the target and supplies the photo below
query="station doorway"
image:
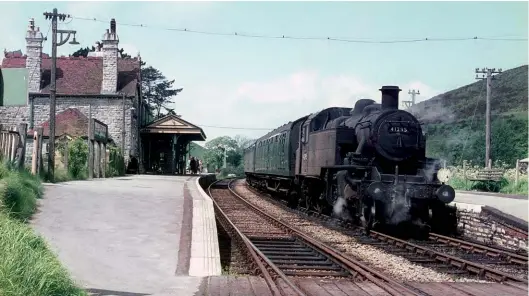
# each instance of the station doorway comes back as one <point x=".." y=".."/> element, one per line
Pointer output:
<point x="164" y="145"/>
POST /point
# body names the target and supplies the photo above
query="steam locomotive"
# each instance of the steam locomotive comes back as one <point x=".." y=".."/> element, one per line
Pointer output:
<point x="367" y="165"/>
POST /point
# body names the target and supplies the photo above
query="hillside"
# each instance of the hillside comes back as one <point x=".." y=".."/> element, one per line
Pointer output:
<point x="455" y="120"/>
<point x="509" y="95"/>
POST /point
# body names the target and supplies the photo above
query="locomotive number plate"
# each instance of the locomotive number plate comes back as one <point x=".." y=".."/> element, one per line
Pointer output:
<point x="399" y="129"/>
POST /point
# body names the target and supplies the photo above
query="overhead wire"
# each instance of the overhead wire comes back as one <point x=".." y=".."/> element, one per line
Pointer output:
<point x="328" y="39"/>
<point x="345" y="40"/>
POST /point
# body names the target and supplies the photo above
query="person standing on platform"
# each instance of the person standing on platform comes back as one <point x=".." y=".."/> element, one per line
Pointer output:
<point x="193" y="165"/>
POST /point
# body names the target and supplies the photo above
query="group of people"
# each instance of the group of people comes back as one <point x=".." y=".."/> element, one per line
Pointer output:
<point x="195" y="165"/>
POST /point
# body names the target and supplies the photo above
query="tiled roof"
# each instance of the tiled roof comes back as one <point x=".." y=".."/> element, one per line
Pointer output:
<point x="70" y="121"/>
<point x="80" y="75"/>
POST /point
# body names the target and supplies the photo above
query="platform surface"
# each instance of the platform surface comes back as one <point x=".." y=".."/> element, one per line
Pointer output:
<point x="513" y="206"/>
<point x="131" y="235"/>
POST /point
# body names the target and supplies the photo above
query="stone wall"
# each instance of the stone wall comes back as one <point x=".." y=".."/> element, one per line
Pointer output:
<point x="13" y="115"/>
<point x="482" y="227"/>
<point x="107" y="110"/>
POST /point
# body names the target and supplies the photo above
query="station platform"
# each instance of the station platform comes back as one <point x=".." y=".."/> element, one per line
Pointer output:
<point x="133" y="235"/>
<point x="514" y="205"/>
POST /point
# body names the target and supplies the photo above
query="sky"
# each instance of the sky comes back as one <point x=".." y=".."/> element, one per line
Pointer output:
<point x="254" y="85"/>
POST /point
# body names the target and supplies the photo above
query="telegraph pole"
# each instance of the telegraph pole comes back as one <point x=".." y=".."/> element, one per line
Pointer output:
<point x="413" y="93"/>
<point x="54" y="16"/>
<point x="488" y="76"/>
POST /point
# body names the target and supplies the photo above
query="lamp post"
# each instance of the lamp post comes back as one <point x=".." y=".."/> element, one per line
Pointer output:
<point x="54" y="16"/>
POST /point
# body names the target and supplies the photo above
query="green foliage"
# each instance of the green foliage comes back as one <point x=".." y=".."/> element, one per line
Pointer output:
<point x="214" y="155"/>
<point x="19" y="191"/>
<point x="461" y="140"/>
<point x="78" y="159"/>
<point x="157" y="90"/>
<point x="116" y="164"/>
<point x="238" y="171"/>
<point x="460" y="180"/>
<point x="27" y="266"/>
<point x="455" y="122"/>
<point x="521" y="188"/>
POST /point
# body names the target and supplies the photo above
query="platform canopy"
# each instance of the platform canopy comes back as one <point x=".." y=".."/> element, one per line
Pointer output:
<point x="175" y="125"/>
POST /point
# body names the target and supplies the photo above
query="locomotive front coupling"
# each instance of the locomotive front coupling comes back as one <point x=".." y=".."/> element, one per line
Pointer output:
<point x="387" y="192"/>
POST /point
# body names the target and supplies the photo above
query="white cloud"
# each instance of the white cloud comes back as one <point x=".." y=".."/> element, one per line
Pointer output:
<point x="271" y="103"/>
<point x="293" y="88"/>
<point x="130" y="49"/>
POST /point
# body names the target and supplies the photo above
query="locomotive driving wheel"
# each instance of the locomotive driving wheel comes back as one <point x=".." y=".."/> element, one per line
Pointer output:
<point x="310" y="196"/>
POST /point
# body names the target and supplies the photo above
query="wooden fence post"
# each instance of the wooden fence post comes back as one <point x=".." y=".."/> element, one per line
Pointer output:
<point x="97" y="161"/>
<point x="35" y="155"/>
<point x="40" y="162"/>
<point x="90" y="159"/>
<point x="21" y="150"/>
<point x="9" y="144"/>
<point x="517" y="175"/>
<point x="66" y="154"/>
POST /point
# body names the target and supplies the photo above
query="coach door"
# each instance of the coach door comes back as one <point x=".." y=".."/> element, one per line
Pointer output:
<point x="304" y="145"/>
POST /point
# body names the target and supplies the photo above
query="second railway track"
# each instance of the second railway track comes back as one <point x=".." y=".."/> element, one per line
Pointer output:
<point x="281" y="253"/>
<point x="444" y="254"/>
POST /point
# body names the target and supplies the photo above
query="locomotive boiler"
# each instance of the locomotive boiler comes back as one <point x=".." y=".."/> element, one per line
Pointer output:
<point x="366" y="164"/>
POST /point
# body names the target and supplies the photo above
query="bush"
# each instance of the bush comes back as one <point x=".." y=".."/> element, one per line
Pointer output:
<point x="116" y="163"/>
<point x="78" y="159"/>
<point x="238" y="171"/>
<point x="27" y="266"/>
<point x="460" y="180"/>
<point x="19" y="191"/>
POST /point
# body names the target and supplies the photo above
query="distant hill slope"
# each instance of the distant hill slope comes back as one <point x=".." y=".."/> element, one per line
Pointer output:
<point x="509" y="95"/>
<point x="455" y="120"/>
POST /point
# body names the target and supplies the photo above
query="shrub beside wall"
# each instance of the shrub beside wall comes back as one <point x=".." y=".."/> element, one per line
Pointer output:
<point x="116" y="162"/>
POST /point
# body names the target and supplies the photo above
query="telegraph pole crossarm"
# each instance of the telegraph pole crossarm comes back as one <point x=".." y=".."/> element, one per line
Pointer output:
<point x="487" y="74"/>
<point x="55" y="16"/>
<point x="413" y="93"/>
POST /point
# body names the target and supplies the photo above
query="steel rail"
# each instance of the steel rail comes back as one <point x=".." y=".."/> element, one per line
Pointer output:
<point x="477" y="248"/>
<point x="389" y="285"/>
<point x="445" y="258"/>
<point x="256" y="254"/>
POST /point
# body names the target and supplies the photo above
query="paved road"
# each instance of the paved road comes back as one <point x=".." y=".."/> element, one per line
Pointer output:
<point x="512" y="206"/>
<point x="118" y="235"/>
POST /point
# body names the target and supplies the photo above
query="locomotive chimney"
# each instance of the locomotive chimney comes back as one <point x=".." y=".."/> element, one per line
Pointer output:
<point x="390" y="97"/>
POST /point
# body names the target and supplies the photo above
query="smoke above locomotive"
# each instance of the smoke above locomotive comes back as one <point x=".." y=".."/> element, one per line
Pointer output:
<point x="367" y="164"/>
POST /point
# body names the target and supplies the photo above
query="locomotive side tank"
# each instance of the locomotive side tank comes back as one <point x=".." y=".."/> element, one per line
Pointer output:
<point x="365" y="164"/>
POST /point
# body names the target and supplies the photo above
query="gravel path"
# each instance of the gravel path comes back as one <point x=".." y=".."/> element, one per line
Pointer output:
<point x="120" y="235"/>
<point x="395" y="266"/>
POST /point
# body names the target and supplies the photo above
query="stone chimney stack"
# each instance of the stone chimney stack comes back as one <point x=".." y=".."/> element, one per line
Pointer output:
<point x="34" y="39"/>
<point x="110" y="60"/>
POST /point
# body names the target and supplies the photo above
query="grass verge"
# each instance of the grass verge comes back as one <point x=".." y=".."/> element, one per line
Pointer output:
<point x="27" y="266"/>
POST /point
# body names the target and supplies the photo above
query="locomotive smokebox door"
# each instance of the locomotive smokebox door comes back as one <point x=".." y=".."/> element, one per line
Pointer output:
<point x="390" y="97"/>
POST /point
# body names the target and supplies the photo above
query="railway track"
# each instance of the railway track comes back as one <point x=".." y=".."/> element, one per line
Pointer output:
<point x="444" y="254"/>
<point x="280" y="253"/>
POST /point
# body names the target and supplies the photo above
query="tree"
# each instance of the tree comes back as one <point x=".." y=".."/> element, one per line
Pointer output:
<point x="158" y="92"/>
<point x="83" y="52"/>
<point x="214" y="154"/>
<point x="243" y="142"/>
<point x="123" y="54"/>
